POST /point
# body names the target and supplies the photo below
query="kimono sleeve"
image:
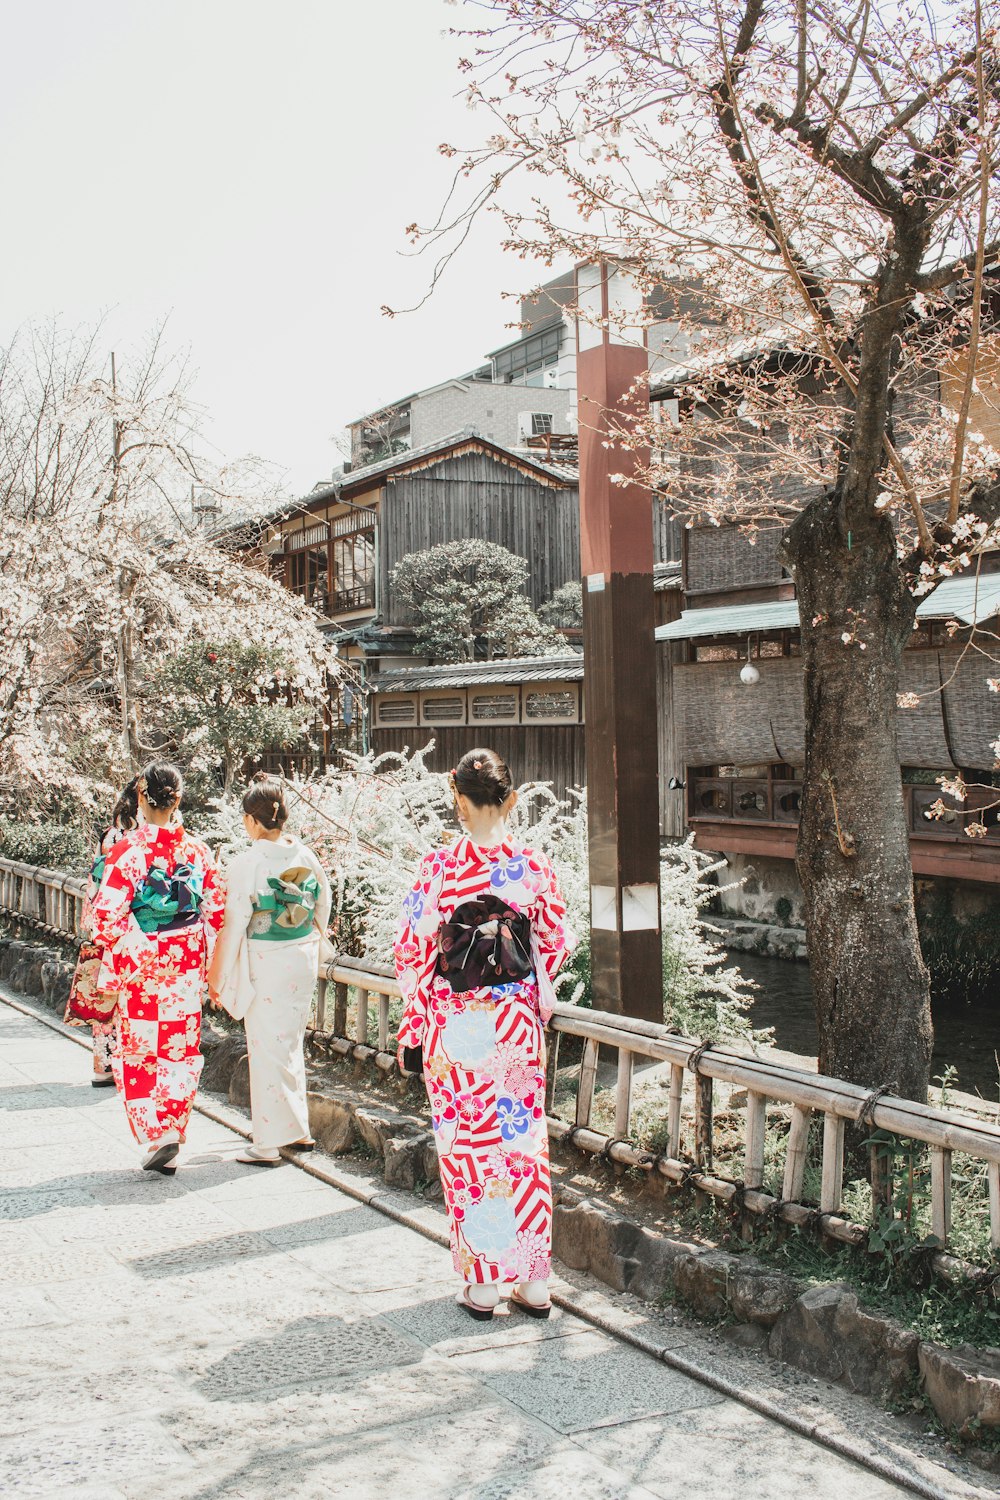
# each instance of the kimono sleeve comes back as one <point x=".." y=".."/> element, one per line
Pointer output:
<point x="415" y="949"/>
<point x="324" y="900"/>
<point x="548" y="921"/>
<point x="127" y="949"/>
<point x="237" y="911"/>
<point x="213" y="903"/>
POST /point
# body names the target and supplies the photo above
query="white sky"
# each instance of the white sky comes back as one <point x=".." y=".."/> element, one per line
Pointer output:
<point x="246" y="167"/>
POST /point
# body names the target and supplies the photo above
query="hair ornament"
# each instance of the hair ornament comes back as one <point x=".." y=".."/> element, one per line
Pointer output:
<point x="477" y="765"/>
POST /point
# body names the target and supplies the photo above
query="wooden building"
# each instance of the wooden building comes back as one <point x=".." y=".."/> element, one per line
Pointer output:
<point x="337" y="547"/>
<point x="740" y="749"/>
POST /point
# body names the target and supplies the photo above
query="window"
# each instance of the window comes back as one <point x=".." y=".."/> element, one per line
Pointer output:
<point x="541" y="422"/>
<point x="442" y="708"/>
<point x="354" y="570"/>
<point x="551" y="703"/>
<point x="511" y="366"/>
<point x="395" y="708"/>
<point x="500" y="707"/>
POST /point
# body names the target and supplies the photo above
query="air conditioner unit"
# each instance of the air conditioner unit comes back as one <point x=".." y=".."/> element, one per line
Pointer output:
<point x="524" y="424"/>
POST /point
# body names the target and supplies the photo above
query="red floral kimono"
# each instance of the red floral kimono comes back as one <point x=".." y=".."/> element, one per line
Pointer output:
<point x="484" y="1061"/>
<point x="156" y="916"/>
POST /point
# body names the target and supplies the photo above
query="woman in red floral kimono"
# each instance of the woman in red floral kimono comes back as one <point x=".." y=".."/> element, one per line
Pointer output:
<point x="156" y="916"/>
<point x="481" y="938"/>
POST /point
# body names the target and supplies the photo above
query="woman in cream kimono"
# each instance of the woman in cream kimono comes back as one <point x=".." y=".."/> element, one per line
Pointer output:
<point x="265" y="967"/>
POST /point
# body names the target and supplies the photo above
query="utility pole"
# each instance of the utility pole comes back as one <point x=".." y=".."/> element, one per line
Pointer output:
<point x="621" y="732"/>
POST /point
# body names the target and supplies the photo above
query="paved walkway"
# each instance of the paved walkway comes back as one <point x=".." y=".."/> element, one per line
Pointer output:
<point x="234" y="1332"/>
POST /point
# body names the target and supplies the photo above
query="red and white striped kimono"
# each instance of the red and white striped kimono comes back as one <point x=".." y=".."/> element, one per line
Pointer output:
<point x="484" y="1061"/>
<point x="159" y="974"/>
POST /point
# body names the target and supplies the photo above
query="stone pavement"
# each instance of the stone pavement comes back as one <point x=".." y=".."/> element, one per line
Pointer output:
<point x="233" y="1332"/>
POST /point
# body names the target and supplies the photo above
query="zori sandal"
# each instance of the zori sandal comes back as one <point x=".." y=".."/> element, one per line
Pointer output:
<point x="533" y="1309"/>
<point x="481" y="1314"/>
<point x="162" y="1160"/>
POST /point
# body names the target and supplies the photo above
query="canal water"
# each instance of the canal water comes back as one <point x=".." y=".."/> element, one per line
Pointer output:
<point x="966" y="1037"/>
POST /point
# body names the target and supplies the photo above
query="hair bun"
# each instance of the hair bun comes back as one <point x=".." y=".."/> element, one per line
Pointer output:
<point x="484" y="778"/>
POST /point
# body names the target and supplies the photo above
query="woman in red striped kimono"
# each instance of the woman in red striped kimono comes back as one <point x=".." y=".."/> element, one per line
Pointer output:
<point x="480" y="939"/>
<point x="156" y="916"/>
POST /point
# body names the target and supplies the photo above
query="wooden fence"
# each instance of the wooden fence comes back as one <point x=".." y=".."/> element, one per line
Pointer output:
<point x="357" y="1024"/>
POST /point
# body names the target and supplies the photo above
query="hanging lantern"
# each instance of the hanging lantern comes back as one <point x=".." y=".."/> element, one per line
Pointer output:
<point x="749" y="674"/>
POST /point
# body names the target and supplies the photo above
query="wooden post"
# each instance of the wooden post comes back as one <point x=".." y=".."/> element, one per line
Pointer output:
<point x="340" y="997"/>
<point x="623" y="1094"/>
<point x="941" y="1194"/>
<point x="320" y="1004"/>
<point x="588" y="1080"/>
<point x="361" y="1026"/>
<point x="383" y="1022"/>
<point x="553" y="1073"/>
<point x="621" y="731"/>
<point x="753" y="1166"/>
<point x="832" y="1190"/>
<point x="993" y="1177"/>
<point x="703" y="1121"/>
<point x="675" y="1105"/>
<point x="795" y="1156"/>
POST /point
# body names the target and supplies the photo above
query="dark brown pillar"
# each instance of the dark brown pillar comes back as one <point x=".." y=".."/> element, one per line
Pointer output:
<point x="619" y="690"/>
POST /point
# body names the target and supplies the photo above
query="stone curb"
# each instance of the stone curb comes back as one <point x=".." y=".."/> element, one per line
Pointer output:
<point x="823" y="1330"/>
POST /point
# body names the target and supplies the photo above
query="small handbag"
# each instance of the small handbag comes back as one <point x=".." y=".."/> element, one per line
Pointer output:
<point x="86" y="1002"/>
<point x="486" y="942"/>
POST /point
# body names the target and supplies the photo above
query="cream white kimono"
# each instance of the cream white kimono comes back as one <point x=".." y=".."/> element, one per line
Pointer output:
<point x="269" y="983"/>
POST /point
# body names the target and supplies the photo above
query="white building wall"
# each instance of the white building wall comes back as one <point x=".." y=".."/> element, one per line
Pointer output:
<point x="492" y="409"/>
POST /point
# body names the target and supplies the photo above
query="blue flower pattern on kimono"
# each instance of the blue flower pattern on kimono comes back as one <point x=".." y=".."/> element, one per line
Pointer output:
<point x="413" y="907"/>
<point x="469" y="1037"/>
<point x="490" y="1226"/>
<point x="513" y="1118"/>
<point x="507" y="872"/>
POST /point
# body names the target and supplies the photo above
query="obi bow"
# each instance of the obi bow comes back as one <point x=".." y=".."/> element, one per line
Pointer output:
<point x="291" y="898"/>
<point x="486" y="942"/>
<point x="164" y="901"/>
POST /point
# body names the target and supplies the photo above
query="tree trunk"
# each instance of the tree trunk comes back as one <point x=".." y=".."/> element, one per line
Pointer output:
<point x="126" y="664"/>
<point x="870" y="983"/>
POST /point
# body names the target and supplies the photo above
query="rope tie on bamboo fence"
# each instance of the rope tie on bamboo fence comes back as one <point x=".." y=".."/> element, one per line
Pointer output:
<point x="984" y="1280"/>
<point x="737" y="1203"/>
<point x="570" y="1137"/>
<point x="691" y="1169"/>
<point x="866" y="1114"/>
<point x="695" y="1056"/>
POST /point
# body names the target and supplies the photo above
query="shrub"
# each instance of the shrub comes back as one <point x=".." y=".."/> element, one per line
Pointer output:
<point x="56" y="846"/>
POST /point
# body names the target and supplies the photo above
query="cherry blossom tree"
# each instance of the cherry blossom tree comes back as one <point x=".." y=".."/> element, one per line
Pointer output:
<point x="105" y="571"/>
<point x="803" y="191"/>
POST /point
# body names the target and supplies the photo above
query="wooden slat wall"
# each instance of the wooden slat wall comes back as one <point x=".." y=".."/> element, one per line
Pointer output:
<point x="536" y="752"/>
<point x="475" y="496"/>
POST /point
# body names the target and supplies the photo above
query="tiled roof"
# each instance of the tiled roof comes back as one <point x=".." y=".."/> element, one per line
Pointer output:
<point x="566" y="668"/>
<point x="419" y="457"/>
<point x="666" y="575"/>
<point x="969" y="600"/>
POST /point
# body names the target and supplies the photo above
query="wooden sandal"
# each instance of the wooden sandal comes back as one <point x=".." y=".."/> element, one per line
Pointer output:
<point x="162" y="1160"/>
<point x="533" y="1309"/>
<point x="481" y="1314"/>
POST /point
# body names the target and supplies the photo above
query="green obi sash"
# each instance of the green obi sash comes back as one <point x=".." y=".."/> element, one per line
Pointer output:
<point x="164" y="902"/>
<point x="285" y="910"/>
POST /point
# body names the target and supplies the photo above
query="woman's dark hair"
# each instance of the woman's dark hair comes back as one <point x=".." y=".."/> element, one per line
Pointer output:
<point x="125" y="813"/>
<point x="482" y="777"/>
<point x="164" y="785"/>
<point x="264" y="799"/>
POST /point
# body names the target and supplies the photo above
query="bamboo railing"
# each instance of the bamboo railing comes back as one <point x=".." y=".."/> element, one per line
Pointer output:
<point x="694" y="1069"/>
<point x="358" y="1026"/>
<point x="49" y="900"/>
